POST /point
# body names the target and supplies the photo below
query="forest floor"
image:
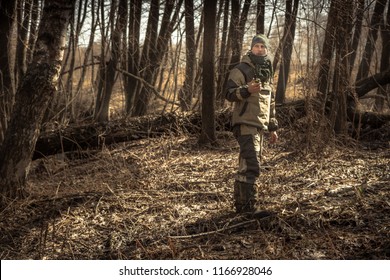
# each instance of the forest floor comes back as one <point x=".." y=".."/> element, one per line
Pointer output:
<point x="168" y="198"/>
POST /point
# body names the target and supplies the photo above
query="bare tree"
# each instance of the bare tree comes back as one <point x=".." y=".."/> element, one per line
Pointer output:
<point x="376" y="20"/>
<point x="224" y="56"/>
<point x="237" y="30"/>
<point x="32" y="98"/>
<point x="287" y="48"/>
<point x="7" y="11"/>
<point x="327" y="55"/>
<point x="186" y="93"/>
<point x="342" y="86"/>
<point x="133" y="54"/>
<point x="155" y="47"/>
<point x="24" y="13"/>
<point x="208" y="87"/>
<point x="102" y="112"/>
<point x="73" y="47"/>
<point x="150" y="42"/>
<point x="88" y="61"/>
<point x="35" y="13"/>
<point x="384" y="92"/>
<point x="357" y="32"/>
<point x="260" y="18"/>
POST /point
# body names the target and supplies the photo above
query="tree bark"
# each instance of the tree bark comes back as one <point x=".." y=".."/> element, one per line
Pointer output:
<point x="35" y="12"/>
<point x="21" y="46"/>
<point x="288" y="43"/>
<point x="116" y="42"/>
<point x="142" y="96"/>
<point x="133" y="54"/>
<point x="342" y="77"/>
<point x="233" y="40"/>
<point x="238" y="27"/>
<point x="384" y="62"/>
<point x="372" y="36"/>
<point x="223" y="59"/>
<point x="357" y="33"/>
<point x="208" y="87"/>
<point x="87" y="57"/>
<point x="260" y="29"/>
<point x="32" y="98"/>
<point x="156" y="50"/>
<point x="7" y="91"/>
<point x="101" y="73"/>
<point x="365" y="85"/>
<point x="73" y="48"/>
<point x="186" y="93"/>
<point x="327" y="56"/>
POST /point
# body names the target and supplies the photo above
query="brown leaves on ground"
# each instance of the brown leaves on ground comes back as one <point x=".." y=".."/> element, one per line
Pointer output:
<point x="167" y="198"/>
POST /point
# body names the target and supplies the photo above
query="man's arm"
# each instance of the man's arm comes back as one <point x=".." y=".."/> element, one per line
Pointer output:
<point x="236" y="89"/>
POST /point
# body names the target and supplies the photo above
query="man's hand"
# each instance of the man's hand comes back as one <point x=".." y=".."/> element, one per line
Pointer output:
<point x="253" y="87"/>
<point x="273" y="137"/>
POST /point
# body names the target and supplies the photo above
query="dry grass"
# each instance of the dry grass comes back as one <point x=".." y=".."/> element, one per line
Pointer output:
<point x="167" y="198"/>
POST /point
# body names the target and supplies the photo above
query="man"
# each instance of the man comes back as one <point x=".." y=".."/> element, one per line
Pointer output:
<point x="249" y="87"/>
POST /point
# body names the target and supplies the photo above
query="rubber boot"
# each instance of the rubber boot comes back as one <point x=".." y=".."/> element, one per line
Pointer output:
<point x="245" y="196"/>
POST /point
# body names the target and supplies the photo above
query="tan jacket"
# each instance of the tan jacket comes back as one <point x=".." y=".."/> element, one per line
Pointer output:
<point x="256" y="110"/>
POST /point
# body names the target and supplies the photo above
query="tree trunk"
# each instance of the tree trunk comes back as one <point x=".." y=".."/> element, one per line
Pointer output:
<point x="157" y="50"/>
<point x="378" y="80"/>
<point x="133" y="54"/>
<point x="327" y="56"/>
<point x="87" y="57"/>
<point x="372" y="36"/>
<point x="21" y="46"/>
<point x="233" y="39"/>
<point x="356" y="33"/>
<point x="208" y="87"/>
<point x="101" y="73"/>
<point x="116" y="42"/>
<point x="186" y="93"/>
<point x="74" y="47"/>
<point x="223" y="57"/>
<point x="238" y="31"/>
<point x="342" y="77"/>
<point x="150" y="43"/>
<point x="35" y="11"/>
<point x="32" y="98"/>
<point x="7" y="11"/>
<point x="260" y="29"/>
<point x="384" y="63"/>
<point x="288" y="43"/>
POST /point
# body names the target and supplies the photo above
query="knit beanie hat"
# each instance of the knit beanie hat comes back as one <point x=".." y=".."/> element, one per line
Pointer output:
<point x="260" y="38"/>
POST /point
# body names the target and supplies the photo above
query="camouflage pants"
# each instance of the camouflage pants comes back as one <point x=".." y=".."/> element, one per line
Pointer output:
<point x="250" y="140"/>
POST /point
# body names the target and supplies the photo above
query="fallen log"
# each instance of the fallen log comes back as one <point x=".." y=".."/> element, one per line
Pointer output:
<point x="366" y="85"/>
<point x="93" y="136"/>
<point x="372" y="119"/>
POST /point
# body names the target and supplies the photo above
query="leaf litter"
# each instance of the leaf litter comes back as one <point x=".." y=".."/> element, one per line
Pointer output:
<point x="168" y="198"/>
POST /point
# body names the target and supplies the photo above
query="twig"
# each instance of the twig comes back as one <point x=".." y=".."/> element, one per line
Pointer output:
<point x="215" y="231"/>
<point x="148" y="85"/>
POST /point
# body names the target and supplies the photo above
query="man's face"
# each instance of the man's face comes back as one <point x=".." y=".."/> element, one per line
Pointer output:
<point x="259" y="49"/>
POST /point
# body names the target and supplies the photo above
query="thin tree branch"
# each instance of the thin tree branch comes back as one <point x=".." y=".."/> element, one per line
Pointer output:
<point x="150" y="86"/>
